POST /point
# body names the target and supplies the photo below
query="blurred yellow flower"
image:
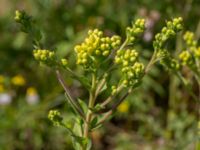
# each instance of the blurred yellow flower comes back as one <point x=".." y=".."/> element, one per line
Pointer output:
<point x="31" y="91"/>
<point x="123" y="107"/>
<point x="2" y="79"/>
<point x="32" y="96"/>
<point x="18" y="80"/>
<point x="1" y="88"/>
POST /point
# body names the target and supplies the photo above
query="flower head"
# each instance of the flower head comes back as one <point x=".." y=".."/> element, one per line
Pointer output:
<point x="45" y="56"/>
<point x="171" y="28"/>
<point x="95" y="46"/>
<point x="131" y="69"/>
<point x="136" y="29"/>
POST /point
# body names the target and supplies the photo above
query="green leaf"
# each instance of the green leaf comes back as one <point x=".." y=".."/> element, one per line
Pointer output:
<point x="83" y="105"/>
<point x="93" y="123"/>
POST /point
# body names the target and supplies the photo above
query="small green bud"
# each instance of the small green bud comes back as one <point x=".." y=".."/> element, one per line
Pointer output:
<point x="18" y="16"/>
<point x="64" y="62"/>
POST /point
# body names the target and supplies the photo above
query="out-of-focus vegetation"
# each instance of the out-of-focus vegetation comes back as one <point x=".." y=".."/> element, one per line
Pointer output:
<point x="161" y="114"/>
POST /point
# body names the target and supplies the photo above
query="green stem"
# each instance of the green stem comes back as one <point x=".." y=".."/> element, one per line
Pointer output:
<point x="151" y="62"/>
<point x="92" y="99"/>
<point x="124" y="44"/>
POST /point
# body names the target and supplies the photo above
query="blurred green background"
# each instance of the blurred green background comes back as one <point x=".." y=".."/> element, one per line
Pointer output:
<point x="160" y="115"/>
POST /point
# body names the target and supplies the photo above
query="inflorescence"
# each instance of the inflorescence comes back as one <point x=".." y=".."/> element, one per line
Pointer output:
<point x="94" y="46"/>
<point x="136" y="29"/>
<point x="131" y="69"/>
<point x="170" y="30"/>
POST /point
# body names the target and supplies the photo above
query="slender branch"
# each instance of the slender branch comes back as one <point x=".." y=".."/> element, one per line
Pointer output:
<point x="73" y="102"/>
<point x="113" y="108"/>
<point x="121" y="99"/>
<point x="110" y="98"/>
<point x="105" y="117"/>
<point x="124" y="44"/>
<point x="151" y="62"/>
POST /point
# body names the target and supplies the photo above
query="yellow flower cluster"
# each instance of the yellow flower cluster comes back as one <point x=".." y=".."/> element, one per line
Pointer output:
<point x="95" y="45"/>
<point x="137" y="28"/>
<point x="186" y="58"/>
<point x="170" y="30"/>
<point x="191" y="56"/>
<point x="132" y="70"/>
<point x="126" y="57"/>
<point x="55" y="117"/>
<point x="44" y="56"/>
<point x="192" y="44"/>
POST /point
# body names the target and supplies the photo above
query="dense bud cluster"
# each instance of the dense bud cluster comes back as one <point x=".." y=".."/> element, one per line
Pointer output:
<point x="44" y="56"/>
<point x="192" y="44"/>
<point x="95" y="45"/>
<point x="133" y="74"/>
<point x="167" y="60"/>
<point x="126" y="57"/>
<point x="137" y="28"/>
<point x="186" y="58"/>
<point x="54" y="116"/>
<point x="170" y="30"/>
<point x="189" y="39"/>
<point x="190" y="57"/>
<point x="131" y="69"/>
